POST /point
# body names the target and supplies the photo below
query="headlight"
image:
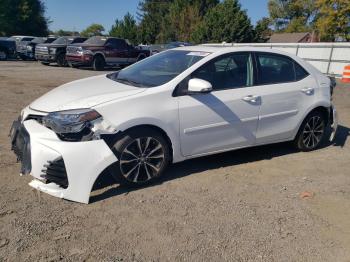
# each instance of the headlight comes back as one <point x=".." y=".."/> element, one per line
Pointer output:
<point x="52" y="50"/>
<point x="70" y="121"/>
<point x="29" y="48"/>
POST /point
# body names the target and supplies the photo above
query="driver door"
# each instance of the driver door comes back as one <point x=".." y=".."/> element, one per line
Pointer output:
<point x="226" y="118"/>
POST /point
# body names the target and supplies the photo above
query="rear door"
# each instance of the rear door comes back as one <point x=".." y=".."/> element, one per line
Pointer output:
<point x="286" y="90"/>
<point x="117" y="51"/>
<point x="227" y="117"/>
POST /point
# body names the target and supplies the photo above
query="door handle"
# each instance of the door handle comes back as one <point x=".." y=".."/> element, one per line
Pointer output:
<point x="308" y="90"/>
<point x="251" y="98"/>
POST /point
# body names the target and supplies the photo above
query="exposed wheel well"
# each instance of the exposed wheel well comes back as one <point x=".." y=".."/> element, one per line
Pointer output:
<point x="157" y="129"/>
<point x="324" y="111"/>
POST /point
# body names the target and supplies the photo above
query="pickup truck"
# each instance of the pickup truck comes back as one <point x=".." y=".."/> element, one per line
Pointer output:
<point x="7" y="48"/>
<point x="100" y="51"/>
<point x="55" y="52"/>
<point x="26" y="49"/>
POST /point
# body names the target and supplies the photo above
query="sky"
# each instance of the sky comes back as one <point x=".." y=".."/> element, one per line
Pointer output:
<point x="78" y="14"/>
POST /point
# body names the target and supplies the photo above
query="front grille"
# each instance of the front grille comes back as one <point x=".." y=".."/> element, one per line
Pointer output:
<point x="55" y="171"/>
<point x="73" y="50"/>
<point x="41" y="50"/>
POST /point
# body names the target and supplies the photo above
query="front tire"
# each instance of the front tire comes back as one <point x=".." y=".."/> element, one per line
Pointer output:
<point x="61" y="60"/>
<point x="143" y="155"/>
<point x="311" y="132"/>
<point x="98" y="63"/>
<point x="3" y="55"/>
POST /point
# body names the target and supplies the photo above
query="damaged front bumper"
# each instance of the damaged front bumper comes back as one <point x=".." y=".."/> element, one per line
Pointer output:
<point x="60" y="168"/>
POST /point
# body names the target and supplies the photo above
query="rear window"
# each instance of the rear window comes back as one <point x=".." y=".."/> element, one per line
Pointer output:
<point x="274" y="69"/>
<point x="27" y="38"/>
<point x="300" y="72"/>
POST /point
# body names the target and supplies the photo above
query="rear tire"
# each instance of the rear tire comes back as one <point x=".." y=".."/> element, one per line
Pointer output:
<point x="61" y="60"/>
<point x="311" y="132"/>
<point x="143" y="155"/>
<point x="98" y="63"/>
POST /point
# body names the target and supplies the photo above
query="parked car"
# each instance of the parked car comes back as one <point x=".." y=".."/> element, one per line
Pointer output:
<point x="100" y="51"/>
<point x="180" y="104"/>
<point x="7" y="48"/>
<point x="19" y="38"/>
<point x="55" y="52"/>
<point x="157" y="48"/>
<point x="26" y="49"/>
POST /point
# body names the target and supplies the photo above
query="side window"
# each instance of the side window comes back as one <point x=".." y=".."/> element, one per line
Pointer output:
<point x="229" y="71"/>
<point x="273" y="69"/>
<point x="121" y="44"/>
<point x="300" y="73"/>
<point x="112" y="42"/>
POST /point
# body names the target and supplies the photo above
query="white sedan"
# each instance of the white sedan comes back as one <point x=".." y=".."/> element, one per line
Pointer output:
<point x="179" y="104"/>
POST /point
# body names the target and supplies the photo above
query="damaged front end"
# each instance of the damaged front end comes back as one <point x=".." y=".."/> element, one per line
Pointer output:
<point x="63" y="151"/>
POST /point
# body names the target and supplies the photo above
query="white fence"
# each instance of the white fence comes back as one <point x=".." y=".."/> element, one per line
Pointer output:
<point x="329" y="58"/>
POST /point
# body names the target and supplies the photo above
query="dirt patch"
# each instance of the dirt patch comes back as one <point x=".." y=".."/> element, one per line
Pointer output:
<point x="238" y="206"/>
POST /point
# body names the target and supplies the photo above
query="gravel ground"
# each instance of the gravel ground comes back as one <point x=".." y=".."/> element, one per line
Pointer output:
<point x="238" y="206"/>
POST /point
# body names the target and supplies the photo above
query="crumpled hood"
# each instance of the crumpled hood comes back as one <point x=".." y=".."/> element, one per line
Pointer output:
<point x="84" y="93"/>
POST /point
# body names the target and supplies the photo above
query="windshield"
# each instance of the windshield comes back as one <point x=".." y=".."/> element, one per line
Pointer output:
<point x="95" y="40"/>
<point x="159" y="69"/>
<point x="60" y="41"/>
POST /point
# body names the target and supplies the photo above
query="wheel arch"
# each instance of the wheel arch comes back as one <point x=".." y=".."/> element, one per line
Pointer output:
<point x="99" y="54"/>
<point x="323" y="108"/>
<point x="157" y="129"/>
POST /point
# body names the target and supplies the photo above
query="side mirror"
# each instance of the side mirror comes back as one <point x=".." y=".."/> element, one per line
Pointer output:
<point x="199" y="86"/>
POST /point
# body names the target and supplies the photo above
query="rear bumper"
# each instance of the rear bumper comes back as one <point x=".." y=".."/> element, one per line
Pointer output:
<point x="62" y="169"/>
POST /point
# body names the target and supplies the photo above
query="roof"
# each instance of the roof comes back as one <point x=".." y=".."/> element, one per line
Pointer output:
<point x="229" y="49"/>
<point x="288" y="37"/>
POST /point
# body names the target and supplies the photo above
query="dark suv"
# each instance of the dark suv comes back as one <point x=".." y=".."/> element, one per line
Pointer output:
<point x="56" y="51"/>
<point x="26" y="49"/>
<point x="7" y="48"/>
<point x="99" y="51"/>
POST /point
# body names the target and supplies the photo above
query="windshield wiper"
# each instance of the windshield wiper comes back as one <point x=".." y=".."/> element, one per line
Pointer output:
<point x="129" y="82"/>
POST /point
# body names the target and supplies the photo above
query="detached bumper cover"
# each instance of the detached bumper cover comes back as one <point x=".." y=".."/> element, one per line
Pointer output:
<point x="334" y="123"/>
<point x="83" y="162"/>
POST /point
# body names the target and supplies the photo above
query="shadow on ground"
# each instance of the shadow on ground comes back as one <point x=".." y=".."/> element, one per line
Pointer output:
<point x="231" y="158"/>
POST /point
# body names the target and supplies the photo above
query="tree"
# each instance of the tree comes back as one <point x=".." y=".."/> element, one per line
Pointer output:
<point x="93" y="30"/>
<point x="151" y="14"/>
<point x="333" y="20"/>
<point x="292" y="15"/>
<point x="62" y="32"/>
<point x="262" y="31"/>
<point x="125" y="28"/>
<point x="225" y="22"/>
<point x="23" y="17"/>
